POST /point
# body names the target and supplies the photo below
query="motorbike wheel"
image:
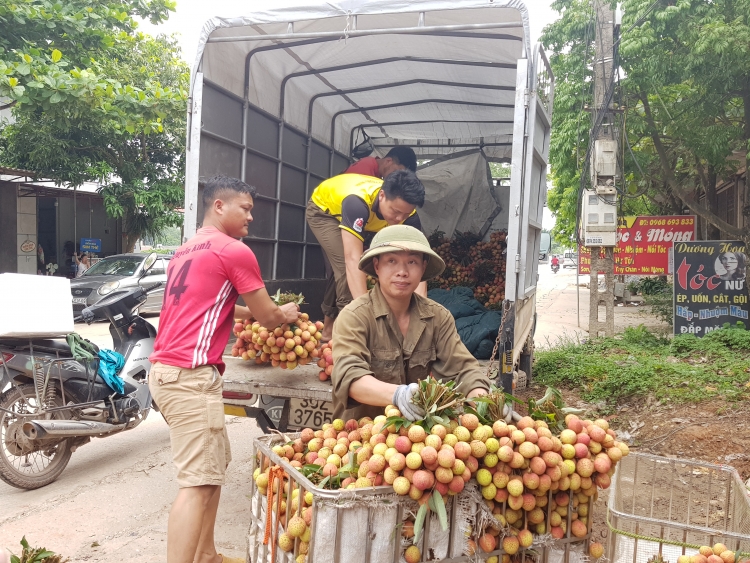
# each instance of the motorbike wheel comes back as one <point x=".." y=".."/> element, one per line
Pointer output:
<point x="38" y="468"/>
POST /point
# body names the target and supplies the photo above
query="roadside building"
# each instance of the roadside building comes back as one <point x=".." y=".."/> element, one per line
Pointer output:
<point x="35" y="213"/>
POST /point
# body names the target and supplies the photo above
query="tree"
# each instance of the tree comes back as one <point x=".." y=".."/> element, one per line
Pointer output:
<point x="96" y="100"/>
<point x="685" y="89"/>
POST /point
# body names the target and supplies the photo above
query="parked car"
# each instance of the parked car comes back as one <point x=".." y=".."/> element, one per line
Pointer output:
<point x="570" y="260"/>
<point x="121" y="271"/>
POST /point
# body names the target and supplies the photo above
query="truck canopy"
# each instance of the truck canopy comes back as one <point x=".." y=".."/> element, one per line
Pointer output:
<point x="409" y="72"/>
<point x="280" y="97"/>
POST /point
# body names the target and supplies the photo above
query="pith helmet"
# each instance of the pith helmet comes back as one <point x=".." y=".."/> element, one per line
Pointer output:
<point x="402" y="238"/>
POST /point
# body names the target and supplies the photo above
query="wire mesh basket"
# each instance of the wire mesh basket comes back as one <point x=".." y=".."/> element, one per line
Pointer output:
<point x="671" y="507"/>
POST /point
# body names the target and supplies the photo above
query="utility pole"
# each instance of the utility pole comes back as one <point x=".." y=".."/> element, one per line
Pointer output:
<point x="599" y="205"/>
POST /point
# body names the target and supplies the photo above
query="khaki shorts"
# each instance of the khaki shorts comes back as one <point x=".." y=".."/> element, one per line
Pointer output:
<point x="191" y="402"/>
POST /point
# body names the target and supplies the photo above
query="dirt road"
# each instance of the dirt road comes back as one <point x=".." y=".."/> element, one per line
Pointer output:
<point x="111" y="503"/>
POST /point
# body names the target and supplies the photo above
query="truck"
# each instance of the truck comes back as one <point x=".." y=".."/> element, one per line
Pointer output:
<point x="283" y="97"/>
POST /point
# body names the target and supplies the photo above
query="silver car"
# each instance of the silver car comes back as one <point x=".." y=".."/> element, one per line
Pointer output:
<point x="121" y="271"/>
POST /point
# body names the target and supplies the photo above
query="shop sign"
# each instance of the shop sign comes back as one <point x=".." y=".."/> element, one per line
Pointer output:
<point x="644" y="244"/>
<point x="709" y="286"/>
<point x="28" y="246"/>
<point x="91" y="245"/>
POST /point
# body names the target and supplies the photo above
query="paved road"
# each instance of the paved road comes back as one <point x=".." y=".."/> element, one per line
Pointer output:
<point x="111" y="503"/>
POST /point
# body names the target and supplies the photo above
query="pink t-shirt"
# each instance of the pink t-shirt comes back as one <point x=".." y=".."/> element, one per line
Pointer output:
<point x="204" y="279"/>
<point x="367" y="166"/>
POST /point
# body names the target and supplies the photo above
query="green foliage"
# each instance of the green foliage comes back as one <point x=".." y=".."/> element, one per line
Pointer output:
<point x="53" y="55"/>
<point x="35" y="555"/>
<point x="639" y="363"/>
<point x="685" y="91"/>
<point x="95" y="100"/>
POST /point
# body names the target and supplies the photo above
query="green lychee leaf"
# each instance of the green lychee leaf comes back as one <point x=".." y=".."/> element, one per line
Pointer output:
<point x="437" y="500"/>
<point x="419" y="522"/>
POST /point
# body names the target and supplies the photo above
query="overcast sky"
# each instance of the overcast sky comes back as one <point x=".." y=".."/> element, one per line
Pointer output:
<point x="190" y="15"/>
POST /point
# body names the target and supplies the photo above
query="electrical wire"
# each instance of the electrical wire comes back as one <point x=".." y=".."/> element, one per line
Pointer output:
<point x="638" y="22"/>
<point x="583" y="84"/>
<point x="609" y="93"/>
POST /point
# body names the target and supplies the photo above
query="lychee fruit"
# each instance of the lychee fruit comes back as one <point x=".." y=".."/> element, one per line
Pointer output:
<point x="596" y="550"/>
<point x="585" y="467"/>
<point x="416" y="433"/>
<point x="401" y="486"/>
<point x="429" y="455"/>
<point x="424" y="480"/>
<point x="511" y="545"/>
<point x="578" y="528"/>
<point x="412" y="554"/>
<point x="487" y="542"/>
<point x="525" y="538"/>
<point x="414" y="460"/>
<point x="296" y="526"/>
<point x="447" y="457"/>
<point x="286" y="542"/>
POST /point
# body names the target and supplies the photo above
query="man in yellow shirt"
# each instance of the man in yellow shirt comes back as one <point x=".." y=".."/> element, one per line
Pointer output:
<point x="341" y="211"/>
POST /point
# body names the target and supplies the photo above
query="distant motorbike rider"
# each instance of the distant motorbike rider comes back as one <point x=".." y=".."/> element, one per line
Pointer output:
<point x="555" y="263"/>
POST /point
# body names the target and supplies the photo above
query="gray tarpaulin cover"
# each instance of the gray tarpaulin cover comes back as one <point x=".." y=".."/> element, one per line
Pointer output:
<point x="458" y="194"/>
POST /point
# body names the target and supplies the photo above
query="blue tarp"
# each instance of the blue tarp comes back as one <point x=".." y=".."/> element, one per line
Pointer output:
<point x="476" y="325"/>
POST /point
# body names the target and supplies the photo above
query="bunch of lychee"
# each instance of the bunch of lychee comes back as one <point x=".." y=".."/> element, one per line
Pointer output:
<point x="533" y="481"/>
<point x="325" y="360"/>
<point x="285" y="346"/>
<point x="537" y="482"/>
<point x="295" y="516"/>
<point x="719" y="553"/>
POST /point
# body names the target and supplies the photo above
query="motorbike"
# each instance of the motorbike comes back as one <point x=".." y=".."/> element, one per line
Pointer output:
<point x="555" y="268"/>
<point x="53" y="402"/>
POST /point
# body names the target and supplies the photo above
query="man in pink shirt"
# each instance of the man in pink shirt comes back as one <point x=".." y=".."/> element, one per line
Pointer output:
<point x="398" y="158"/>
<point x="205" y="277"/>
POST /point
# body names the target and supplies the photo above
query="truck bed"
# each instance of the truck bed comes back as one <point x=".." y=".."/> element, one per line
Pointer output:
<point x="300" y="383"/>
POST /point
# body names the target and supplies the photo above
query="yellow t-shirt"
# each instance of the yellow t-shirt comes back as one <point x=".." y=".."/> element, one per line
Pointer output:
<point x="330" y="194"/>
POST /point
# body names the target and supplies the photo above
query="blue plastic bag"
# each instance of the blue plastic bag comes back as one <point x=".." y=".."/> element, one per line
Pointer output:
<point x="110" y="364"/>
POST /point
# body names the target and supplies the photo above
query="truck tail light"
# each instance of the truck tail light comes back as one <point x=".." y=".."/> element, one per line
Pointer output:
<point x="7" y="356"/>
<point x="236" y="395"/>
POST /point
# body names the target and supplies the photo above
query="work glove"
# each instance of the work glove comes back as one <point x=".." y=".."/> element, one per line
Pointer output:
<point x="402" y="400"/>
<point x="508" y="412"/>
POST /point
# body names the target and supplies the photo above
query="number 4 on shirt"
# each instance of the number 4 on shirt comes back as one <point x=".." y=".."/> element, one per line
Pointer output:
<point x="178" y="285"/>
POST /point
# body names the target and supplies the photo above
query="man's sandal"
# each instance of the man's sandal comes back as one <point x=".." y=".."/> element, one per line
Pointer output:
<point x="225" y="559"/>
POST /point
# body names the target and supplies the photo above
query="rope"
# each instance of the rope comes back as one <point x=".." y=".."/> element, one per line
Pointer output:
<point x="738" y="554"/>
<point x="80" y="349"/>
<point x="273" y="473"/>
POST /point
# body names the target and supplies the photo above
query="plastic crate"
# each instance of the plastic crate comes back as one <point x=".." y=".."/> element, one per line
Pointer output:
<point x="670" y="507"/>
<point x="364" y="525"/>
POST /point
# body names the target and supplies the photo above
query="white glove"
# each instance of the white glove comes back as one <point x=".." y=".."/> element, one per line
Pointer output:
<point x="402" y="400"/>
<point x="508" y="412"/>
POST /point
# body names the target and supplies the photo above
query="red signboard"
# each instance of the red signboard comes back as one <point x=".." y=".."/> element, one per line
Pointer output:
<point x="644" y="244"/>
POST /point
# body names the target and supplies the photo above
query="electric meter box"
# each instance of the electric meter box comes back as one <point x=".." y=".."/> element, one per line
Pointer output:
<point x="599" y="218"/>
<point x="605" y="159"/>
<point x="35" y="306"/>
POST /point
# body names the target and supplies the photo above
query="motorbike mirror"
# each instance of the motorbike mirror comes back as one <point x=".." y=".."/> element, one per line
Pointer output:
<point x="149" y="262"/>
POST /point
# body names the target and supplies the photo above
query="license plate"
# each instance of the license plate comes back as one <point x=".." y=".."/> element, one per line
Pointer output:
<point x="79" y="300"/>
<point x="304" y="413"/>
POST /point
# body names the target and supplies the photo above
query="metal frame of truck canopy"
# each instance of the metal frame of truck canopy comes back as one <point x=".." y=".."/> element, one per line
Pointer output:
<point x="277" y="97"/>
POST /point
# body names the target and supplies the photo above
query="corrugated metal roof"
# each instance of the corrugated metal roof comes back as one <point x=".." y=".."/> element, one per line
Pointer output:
<point x="5" y="171"/>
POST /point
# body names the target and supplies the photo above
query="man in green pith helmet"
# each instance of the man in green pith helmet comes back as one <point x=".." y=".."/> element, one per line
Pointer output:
<point x="391" y="337"/>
